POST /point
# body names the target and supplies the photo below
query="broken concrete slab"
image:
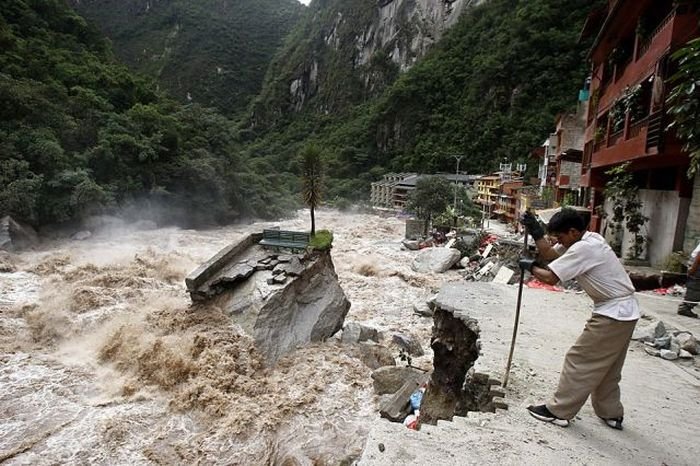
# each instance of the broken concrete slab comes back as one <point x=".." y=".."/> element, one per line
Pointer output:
<point x="437" y="260"/>
<point x="668" y="355"/>
<point x="216" y="264"/>
<point x="504" y="275"/>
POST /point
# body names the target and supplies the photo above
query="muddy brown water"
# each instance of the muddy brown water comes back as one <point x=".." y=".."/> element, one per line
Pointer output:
<point x="105" y="361"/>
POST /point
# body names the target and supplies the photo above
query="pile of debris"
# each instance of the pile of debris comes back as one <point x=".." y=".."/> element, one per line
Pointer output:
<point x="666" y="344"/>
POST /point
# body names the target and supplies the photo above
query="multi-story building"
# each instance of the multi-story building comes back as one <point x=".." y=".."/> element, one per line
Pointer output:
<point x="627" y="118"/>
<point x="569" y="136"/>
<point x="393" y="190"/>
<point x="487" y="190"/>
<point x="383" y="192"/>
<point x="506" y="205"/>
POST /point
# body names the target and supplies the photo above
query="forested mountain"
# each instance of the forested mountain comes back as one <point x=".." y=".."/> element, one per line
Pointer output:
<point x="212" y="52"/>
<point x="79" y="133"/>
<point x="489" y="89"/>
<point x="394" y="85"/>
<point x="348" y="51"/>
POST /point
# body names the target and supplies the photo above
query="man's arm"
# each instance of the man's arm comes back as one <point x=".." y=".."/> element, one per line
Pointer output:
<point x="694" y="267"/>
<point x="545" y="275"/>
<point x="545" y="250"/>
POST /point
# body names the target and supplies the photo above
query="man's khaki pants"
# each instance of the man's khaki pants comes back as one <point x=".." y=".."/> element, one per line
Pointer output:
<point x="593" y="367"/>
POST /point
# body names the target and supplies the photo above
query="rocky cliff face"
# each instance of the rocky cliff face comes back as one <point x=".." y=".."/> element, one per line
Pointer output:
<point x="349" y="50"/>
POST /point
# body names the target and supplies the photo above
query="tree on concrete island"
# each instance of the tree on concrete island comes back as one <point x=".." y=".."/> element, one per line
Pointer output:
<point x="432" y="196"/>
<point x="684" y="101"/>
<point x="311" y="180"/>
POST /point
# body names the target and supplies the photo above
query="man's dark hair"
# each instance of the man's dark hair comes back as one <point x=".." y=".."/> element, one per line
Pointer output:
<point x="564" y="220"/>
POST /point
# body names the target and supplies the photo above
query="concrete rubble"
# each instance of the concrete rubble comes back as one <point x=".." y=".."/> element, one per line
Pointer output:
<point x="668" y="344"/>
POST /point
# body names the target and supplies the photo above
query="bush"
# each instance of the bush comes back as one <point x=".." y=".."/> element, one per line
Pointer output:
<point x="322" y="240"/>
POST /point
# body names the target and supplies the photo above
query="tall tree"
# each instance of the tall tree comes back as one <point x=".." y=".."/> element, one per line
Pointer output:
<point x="432" y="196"/>
<point x="311" y="180"/>
<point x="684" y="101"/>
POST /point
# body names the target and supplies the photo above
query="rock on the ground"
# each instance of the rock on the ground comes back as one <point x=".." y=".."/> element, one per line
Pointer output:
<point x="390" y="379"/>
<point x="372" y="355"/>
<point x="668" y="355"/>
<point x="411" y="245"/>
<point x="683" y="354"/>
<point x="687" y="342"/>
<point x="651" y="351"/>
<point x="436" y="260"/>
<point x="354" y="332"/>
<point x="663" y="342"/>
<point x="422" y="309"/>
<point x="408" y="343"/>
<point x="649" y="332"/>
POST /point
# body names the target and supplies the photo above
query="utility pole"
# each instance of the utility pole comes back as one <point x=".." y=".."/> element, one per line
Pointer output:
<point x="458" y="158"/>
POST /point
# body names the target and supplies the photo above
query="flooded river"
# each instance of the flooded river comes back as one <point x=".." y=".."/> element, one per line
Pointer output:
<point x="105" y="361"/>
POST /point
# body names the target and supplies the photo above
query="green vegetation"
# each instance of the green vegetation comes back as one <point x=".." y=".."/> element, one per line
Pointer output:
<point x="216" y="52"/>
<point x="322" y="240"/>
<point x="623" y="193"/>
<point x="489" y="89"/>
<point x="684" y="102"/>
<point x="431" y="197"/>
<point x="80" y="134"/>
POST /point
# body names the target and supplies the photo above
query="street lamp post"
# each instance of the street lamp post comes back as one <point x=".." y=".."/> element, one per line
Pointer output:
<point x="458" y="158"/>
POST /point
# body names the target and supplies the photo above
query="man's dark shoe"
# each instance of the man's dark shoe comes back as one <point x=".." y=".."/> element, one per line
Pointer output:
<point x="687" y="313"/>
<point x="543" y="414"/>
<point x="615" y="422"/>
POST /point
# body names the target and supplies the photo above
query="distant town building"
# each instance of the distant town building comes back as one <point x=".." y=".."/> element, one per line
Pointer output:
<point x="393" y="190"/>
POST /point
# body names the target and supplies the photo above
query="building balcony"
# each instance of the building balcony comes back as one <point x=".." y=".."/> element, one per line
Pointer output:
<point x="671" y="33"/>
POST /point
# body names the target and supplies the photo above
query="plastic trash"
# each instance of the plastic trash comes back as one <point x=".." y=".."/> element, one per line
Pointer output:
<point x="417" y="398"/>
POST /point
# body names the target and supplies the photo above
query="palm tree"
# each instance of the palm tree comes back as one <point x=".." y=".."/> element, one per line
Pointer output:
<point x="311" y="180"/>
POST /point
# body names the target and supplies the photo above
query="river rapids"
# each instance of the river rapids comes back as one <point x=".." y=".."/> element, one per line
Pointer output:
<point x="106" y="361"/>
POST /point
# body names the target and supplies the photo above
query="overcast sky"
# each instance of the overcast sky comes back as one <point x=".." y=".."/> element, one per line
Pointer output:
<point x="305" y="2"/>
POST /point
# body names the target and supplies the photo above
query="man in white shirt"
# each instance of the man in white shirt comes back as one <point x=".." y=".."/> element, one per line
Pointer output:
<point x="692" y="293"/>
<point x="592" y="366"/>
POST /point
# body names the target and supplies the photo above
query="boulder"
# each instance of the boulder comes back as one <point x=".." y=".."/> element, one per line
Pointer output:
<point x="408" y="343"/>
<point x="683" y="354"/>
<point x="310" y="308"/>
<point x="649" y="332"/>
<point x="15" y="235"/>
<point x="389" y="379"/>
<point x="354" y="332"/>
<point x="411" y="245"/>
<point x="372" y="355"/>
<point x="436" y="260"/>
